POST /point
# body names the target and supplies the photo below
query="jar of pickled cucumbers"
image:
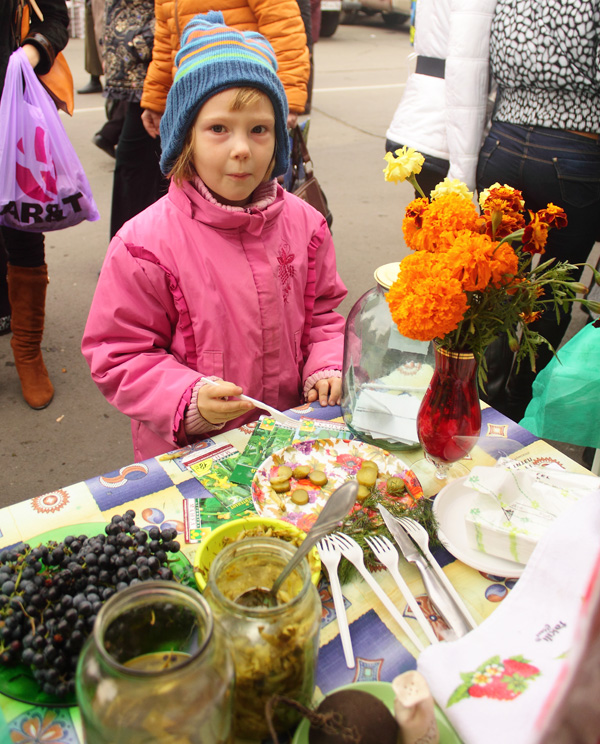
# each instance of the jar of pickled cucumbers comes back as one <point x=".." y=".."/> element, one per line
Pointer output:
<point x="385" y="374"/>
<point x="155" y="670"/>
<point x="274" y="648"/>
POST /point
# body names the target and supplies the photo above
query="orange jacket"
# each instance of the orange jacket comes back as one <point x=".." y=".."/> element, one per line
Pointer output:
<point x="278" y="20"/>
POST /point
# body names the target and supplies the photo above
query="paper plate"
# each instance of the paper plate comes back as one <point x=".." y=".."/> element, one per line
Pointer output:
<point x="450" y="507"/>
<point x="340" y="460"/>
<point x="384" y="692"/>
<point x="17" y="682"/>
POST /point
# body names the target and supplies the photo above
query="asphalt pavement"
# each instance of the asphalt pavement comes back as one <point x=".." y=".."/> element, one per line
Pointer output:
<point x="359" y="77"/>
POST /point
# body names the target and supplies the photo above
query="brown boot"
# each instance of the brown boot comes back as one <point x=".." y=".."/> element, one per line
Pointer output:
<point x="27" y="294"/>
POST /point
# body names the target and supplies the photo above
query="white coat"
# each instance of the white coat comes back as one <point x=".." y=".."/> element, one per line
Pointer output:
<point x="446" y="116"/>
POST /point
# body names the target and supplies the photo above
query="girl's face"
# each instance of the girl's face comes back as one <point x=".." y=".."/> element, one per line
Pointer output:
<point x="232" y="150"/>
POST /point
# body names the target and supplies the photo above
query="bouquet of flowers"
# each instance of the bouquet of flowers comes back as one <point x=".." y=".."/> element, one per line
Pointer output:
<point x="471" y="276"/>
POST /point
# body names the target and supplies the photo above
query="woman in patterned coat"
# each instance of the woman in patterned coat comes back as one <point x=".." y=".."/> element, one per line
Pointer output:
<point x="128" y="42"/>
<point x="545" y="141"/>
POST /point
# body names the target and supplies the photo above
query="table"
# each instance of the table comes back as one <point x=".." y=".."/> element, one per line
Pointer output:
<point x="156" y="488"/>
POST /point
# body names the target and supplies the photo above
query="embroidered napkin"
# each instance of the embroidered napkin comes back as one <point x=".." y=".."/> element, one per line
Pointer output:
<point x="492" y="683"/>
<point x="512" y="507"/>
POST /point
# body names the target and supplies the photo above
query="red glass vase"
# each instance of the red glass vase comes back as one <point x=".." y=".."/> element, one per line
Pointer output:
<point x="449" y="418"/>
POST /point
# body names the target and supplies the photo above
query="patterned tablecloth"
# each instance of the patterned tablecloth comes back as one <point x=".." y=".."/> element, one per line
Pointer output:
<point x="156" y="490"/>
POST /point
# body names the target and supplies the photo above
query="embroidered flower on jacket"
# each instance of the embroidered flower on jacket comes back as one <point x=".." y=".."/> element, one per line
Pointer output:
<point x="286" y="271"/>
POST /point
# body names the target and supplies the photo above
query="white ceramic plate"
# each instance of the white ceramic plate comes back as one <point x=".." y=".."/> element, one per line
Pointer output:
<point x="450" y="506"/>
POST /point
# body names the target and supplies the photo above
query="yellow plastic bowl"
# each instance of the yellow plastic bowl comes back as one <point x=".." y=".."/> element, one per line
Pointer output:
<point x="214" y="543"/>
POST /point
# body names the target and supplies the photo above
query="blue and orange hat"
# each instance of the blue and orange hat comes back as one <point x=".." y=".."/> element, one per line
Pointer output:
<point x="214" y="57"/>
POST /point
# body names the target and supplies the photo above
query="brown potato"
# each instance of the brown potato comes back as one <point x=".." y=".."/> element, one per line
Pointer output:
<point x="281" y="487"/>
<point x="366" y="477"/>
<point x="318" y="478"/>
<point x="301" y="471"/>
<point x="299" y="496"/>
<point x="282" y="474"/>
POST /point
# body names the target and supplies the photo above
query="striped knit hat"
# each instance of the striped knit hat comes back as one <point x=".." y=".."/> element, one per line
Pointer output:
<point x="213" y="58"/>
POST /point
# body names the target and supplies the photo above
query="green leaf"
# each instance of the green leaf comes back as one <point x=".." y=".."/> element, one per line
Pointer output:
<point x="460" y="693"/>
<point x="493" y="660"/>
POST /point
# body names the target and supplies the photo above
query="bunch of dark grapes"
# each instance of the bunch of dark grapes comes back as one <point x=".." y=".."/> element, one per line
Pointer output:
<point x="50" y="595"/>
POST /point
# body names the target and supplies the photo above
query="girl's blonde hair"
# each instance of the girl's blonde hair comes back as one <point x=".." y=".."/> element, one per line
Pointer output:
<point x="183" y="168"/>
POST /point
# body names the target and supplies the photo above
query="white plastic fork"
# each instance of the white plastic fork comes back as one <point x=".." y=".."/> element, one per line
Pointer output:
<point x="353" y="552"/>
<point x="421" y="538"/>
<point x="277" y="415"/>
<point x="330" y="556"/>
<point x="387" y="554"/>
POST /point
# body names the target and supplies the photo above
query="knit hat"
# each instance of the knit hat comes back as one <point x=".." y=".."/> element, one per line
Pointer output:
<point x="214" y="57"/>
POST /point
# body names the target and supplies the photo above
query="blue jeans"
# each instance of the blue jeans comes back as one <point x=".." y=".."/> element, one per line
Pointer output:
<point x="547" y="165"/>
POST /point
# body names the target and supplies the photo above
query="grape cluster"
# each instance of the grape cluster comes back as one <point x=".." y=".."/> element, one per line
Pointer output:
<point x="50" y="595"/>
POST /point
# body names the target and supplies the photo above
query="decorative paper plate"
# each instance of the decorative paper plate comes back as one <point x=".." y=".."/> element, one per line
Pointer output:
<point x="384" y="692"/>
<point x="340" y="460"/>
<point x="450" y="506"/>
<point x="17" y="682"/>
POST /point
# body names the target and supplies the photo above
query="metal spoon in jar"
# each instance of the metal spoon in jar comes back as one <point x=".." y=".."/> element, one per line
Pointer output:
<point x="335" y="510"/>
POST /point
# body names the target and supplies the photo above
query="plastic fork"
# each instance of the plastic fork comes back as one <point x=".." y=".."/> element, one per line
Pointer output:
<point x="421" y="538"/>
<point x="351" y="550"/>
<point x="330" y="556"/>
<point x="387" y="554"/>
<point x="277" y="415"/>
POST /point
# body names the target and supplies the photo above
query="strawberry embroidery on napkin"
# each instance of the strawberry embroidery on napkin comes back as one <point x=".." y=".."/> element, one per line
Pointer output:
<point x="496" y="679"/>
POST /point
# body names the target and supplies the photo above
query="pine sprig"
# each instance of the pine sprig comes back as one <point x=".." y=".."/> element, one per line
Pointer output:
<point x="367" y="522"/>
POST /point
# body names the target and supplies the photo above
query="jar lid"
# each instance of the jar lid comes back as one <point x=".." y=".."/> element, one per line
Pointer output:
<point x="387" y="274"/>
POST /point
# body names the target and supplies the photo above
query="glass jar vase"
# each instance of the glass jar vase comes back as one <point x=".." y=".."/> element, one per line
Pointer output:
<point x="155" y="670"/>
<point x="385" y="374"/>
<point x="274" y="649"/>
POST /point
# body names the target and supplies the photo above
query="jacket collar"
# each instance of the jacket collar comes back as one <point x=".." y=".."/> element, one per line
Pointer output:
<point x="190" y="201"/>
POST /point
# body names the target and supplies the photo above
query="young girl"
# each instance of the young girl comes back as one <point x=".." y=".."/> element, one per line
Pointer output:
<point x="228" y="276"/>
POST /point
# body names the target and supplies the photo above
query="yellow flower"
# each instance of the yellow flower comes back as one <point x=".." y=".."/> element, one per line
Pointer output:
<point x="408" y="163"/>
<point x="451" y="186"/>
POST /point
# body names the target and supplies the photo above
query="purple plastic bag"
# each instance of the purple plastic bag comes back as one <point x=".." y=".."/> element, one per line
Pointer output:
<point x="43" y="185"/>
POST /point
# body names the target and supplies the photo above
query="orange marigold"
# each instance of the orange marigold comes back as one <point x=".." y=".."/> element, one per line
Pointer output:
<point x="553" y="216"/>
<point x="442" y="218"/>
<point x="535" y="235"/>
<point x="413" y="220"/>
<point x="504" y="199"/>
<point x="504" y="265"/>
<point x="426" y="302"/>
<point x="528" y="318"/>
<point x="470" y="257"/>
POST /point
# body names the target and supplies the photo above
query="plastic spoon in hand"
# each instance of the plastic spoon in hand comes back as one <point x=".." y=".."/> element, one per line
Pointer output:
<point x="277" y="415"/>
<point x="335" y="510"/>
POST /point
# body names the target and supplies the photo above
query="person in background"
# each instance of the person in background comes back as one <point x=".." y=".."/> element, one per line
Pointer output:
<point x="443" y="110"/>
<point x="228" y="276"/>
<point x="278" y="20"/>
<point x="128" y="41"/>
<point x="545" y="141"/>
<point x="42" y="38"/>
<point x="93" y="33"/>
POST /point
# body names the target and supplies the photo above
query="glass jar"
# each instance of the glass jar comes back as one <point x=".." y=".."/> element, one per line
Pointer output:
<point x="274" y="649"/>
<point x="385" y="374"/>
<point x="155" y="670"/>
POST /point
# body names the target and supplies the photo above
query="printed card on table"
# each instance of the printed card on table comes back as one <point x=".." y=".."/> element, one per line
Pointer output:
<point x="225" y="500"/>
<point x="269" y="437"/>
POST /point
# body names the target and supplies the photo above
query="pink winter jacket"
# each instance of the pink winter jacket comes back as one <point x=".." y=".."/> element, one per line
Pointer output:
<point x="190" y="289"/>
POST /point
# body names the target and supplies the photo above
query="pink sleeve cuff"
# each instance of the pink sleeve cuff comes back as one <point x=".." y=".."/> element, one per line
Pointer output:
<point x="194" y="423"/>
<point x="322" y="374"/>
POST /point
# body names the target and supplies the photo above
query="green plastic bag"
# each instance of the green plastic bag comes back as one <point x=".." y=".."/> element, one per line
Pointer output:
<point x="566" y="394"/>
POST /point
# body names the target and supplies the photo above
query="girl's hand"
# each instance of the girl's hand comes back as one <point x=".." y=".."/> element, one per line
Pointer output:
<point x="328" y="391"/>
<point x="214" y="405"/>
<point x="151" y="121"/>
